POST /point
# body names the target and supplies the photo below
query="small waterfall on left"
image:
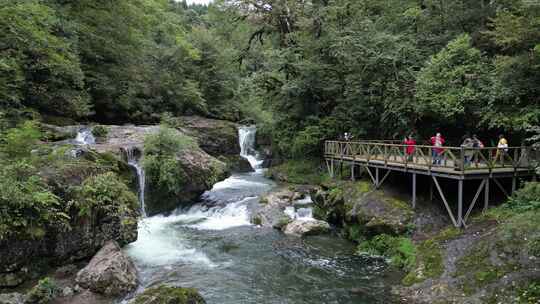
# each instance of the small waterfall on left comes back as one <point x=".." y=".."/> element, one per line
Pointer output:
<point x="85" y="137"/>
<point x="133" y="161"/>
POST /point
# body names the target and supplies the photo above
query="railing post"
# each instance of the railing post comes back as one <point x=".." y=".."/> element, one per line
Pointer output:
<point x="462" y="160"/>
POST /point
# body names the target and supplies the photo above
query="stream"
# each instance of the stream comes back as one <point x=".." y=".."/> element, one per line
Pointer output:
<point x="212" y="247"/>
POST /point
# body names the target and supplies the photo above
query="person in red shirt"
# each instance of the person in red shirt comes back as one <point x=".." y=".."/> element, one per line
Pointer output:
<point x="409" y="150"/>
<point x="437" y="142"/>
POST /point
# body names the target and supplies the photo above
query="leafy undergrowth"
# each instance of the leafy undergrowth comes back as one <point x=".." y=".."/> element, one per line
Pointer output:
<point x="400" y="250"/>
<point x="304" y="171"/>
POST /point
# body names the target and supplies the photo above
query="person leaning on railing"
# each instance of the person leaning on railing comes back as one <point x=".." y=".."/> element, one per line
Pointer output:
<point x="502" y="149"/>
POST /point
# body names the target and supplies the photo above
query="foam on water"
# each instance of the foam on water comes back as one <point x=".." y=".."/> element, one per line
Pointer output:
<point x="160" y="244"/>
<point x="85" y="137"/>
<point x="217" y="218"/>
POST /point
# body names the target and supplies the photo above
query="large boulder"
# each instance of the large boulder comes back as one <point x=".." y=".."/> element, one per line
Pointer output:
<point x="272" y="212"/>
<point x="302" y="227"/>
<point x="356" y="203"/>
<point x="199" y="170"/>
<point x="215" y="137"/>
<point x="169" y="295"/>
<point x="110" y="272"/>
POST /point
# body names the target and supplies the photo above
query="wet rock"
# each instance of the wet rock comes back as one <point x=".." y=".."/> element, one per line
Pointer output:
<point x="272" y="212"/>
<point x="110" y="272"/>
<point x="382" y="214"/>
<point x="357" y="203"/>
<point x="170" y="295"/>
<point x="237" y="164"/>
<point x="215" y="137"/>
<point x="12" y="298"/>
<point x="84" y="297"/>
<point x="301" y="227"/>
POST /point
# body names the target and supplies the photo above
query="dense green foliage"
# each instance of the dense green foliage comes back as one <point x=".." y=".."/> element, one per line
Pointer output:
<point x="104" y="194"/>
<point x="400" y="250"/>
<point x="42" y="188"/>
<point x="27" y="205"/>
<point x="304" y="72"/>
<point x="161" y="166"/>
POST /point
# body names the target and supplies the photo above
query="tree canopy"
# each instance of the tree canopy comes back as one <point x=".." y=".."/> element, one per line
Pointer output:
<point x="305" y="71"/>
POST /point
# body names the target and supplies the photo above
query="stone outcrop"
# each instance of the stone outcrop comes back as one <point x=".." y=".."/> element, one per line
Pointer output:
<point x="301" y="227"/>
<point x="349" y="203"/>
<point x="492" y="261"/>
<point x="215" y="137"/>
<point x="110" y="272"/>
<point x="170" y="295"/>
<point x="200" y="169"/>
<point x="272" y="213"/>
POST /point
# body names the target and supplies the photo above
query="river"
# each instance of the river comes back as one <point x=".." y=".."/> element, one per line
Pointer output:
<point x="213" y="247"/>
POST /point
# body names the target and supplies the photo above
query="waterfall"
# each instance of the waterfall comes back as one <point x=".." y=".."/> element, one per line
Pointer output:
<point x="246" y="135"/>
<point x="85" y="137"/>
<point x="133" y="161"/>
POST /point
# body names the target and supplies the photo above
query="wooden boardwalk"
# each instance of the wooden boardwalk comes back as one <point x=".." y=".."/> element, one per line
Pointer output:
<point x="456" y="163"/>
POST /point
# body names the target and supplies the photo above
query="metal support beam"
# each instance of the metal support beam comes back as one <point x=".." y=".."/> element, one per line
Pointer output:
<point x="480" y="188"/>
<point x="383" y="179"/>
<point x="376" y="177"/>
<point x="371" y="175"/>
<point x="514" y="184"/>
<point x="486" y="195"/>
<point x="460" y="203"/>
<point x="414" y="190"/>
<point x="445" y="202"/>
<point x="430" y="190"/>
<point x="352" y="172"/>
<point x="501" y="187"/>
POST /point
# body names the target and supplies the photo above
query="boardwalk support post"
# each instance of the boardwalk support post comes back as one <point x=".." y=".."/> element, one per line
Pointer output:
<point x="414" y="190"/>
<point x="486" y="195"/>
<point x="352" y="172"/>
<point x="460" y="203"/>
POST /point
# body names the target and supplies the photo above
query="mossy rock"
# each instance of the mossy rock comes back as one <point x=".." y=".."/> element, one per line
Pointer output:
<point x="169" y="295"/>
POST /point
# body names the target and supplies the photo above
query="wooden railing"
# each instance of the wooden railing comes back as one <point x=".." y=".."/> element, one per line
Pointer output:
<point x="455" y="158"/>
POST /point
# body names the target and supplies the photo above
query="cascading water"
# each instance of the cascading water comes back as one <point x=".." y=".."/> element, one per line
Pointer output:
<point x="213" y="247"/>
<point x="246" y="135"/>
<point x="133" y="161"/>
<point x="85" y="137"/>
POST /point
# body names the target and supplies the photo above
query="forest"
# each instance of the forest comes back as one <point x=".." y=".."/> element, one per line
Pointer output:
<point x="305" y="71"/>
<point x="186" y="141"/>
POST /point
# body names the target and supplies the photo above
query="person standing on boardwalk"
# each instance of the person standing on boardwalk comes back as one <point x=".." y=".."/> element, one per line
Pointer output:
<point x="502" y="149"/>
<point x="437" y="142"/>
<point x="468" y="152"/>
<point x="477" y="144"/>
<point x="410" y="144"/>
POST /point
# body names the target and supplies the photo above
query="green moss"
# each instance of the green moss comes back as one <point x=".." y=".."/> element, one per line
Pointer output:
<point x="476" y="264"/>
<point x="529" y="294"/>
<point x="429" y="263"/>
<point x="164" y="294"/>
<point x="256" y="221"/>
<point x="448" y="234"/>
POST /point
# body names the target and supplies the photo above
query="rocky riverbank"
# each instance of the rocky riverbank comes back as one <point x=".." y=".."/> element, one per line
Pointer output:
<point x="93" y="200"/>
<point x="495" y="260"/>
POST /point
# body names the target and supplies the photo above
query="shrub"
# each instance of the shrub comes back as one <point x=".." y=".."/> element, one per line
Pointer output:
<point x="160" y="164"/>
<point x="104" y="194"/>
<point x="400" y="250"/>
<point x="100" y="131"/>
<point x="19" y="142"/>
<point x="27" y="206"/>
<point x="526" y="198"/>
<point x="43" y="292"/>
